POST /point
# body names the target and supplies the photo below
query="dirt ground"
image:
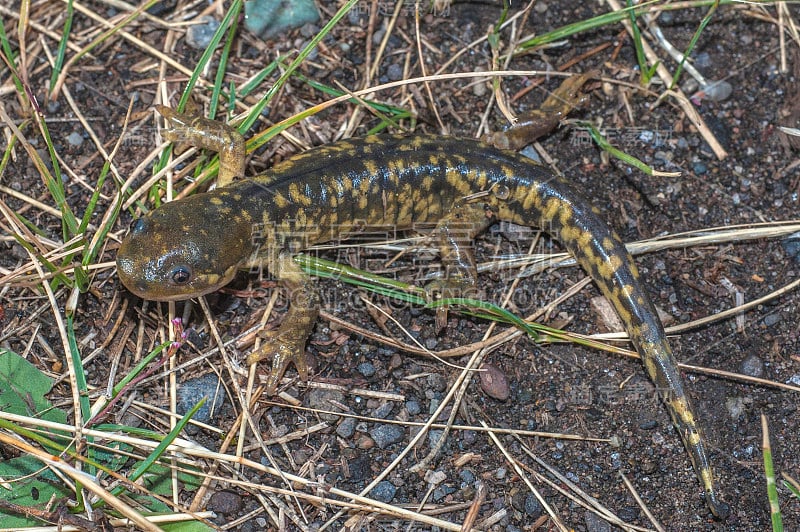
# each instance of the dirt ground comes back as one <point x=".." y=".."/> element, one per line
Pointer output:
<point x="554" y="388"/>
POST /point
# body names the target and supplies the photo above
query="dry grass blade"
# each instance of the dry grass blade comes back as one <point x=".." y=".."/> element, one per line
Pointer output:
<point x="641" y="503"/>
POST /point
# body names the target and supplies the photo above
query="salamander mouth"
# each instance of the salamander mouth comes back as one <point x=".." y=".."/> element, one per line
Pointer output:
<point x="158" y="288"/>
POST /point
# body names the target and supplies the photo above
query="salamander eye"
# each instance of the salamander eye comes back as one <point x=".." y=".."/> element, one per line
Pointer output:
<point x="138" y="226"/>
<point x="180" y="274"/>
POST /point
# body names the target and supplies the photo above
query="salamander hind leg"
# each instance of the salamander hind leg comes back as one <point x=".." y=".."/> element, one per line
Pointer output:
<point x="211" y="135"/>
<point x="286" y="344"/>
<point x="454" y="234"/>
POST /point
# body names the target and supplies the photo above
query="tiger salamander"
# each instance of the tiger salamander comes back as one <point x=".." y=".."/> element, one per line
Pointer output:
<point x="195" y="245"/>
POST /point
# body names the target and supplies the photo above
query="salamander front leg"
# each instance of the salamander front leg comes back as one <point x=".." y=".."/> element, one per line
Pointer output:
<point x="286" y="344"/>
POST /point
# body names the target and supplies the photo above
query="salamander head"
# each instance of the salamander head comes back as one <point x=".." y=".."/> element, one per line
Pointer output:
<point x="182" y="250"/>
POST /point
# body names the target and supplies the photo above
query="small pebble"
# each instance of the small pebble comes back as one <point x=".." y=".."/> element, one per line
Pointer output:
<point x="413" y="407"/>
<point x="360" y="468"/>
<point x="386" y="435"/>
<point x="699" y="168"/>
<point x="346" y="428"/>
<point x="718" y="91"/>
<point x="531" y="153"/>
<point x="468" y="438"/>
<point x="271" y="18"/>
<point x="366" y="369"/>
<point x="75" y="139"/>
<point x="648" y="425"/>
<point x="325" y="400"/>
<point x="394" y="72"/>
<point x="365" y="443"/>
<point x="354" y="16"/>
<point x="225" y="502"/>
<point x="435" y="477"/>
<point x="663" y="156"/>
<point x="441" y="492"/>
<point x="494" y="382"/>
<point x="384" y="410"/>
<point x="702" y="60"/>
<point x="752" y="366"/>
<point x="791" y="245"/>
<point x="737" y="406"/>
<point x="647" y="136"/>
<point x="436" y="382"/>
<point x="649" y="466"/>
<point x="309" y="30"/>
<point x="384" y="491"/>
<point x="192" y="391"/>
<point x="747" y="452"/>
<point x="629" y="513"/>
<point x="195" y="339"/>
<point x="595" y="523"/>
<point x="162" y="8"/>
<point x="433" y="437"/>
<point x="532" y="506"/>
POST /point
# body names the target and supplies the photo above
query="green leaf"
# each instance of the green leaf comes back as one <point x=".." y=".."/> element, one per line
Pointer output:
<point x="186" y="526"/>
<point x="32" y="486"/>
<point x="23" y="388"/>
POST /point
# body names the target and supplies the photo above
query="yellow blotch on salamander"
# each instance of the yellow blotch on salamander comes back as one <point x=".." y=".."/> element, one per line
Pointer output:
<point x="371" y="167"/>
<point x="298" y="194"/>
<point x="607" y="268"/>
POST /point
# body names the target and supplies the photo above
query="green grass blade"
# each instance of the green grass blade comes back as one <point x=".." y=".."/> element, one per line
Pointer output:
<point x="221" y="68"/>
<point x="54" y="184"/>
<point x="646" y="72"/>
<point x="488" y="311"/>
<point x="112" y="31"/>
<point x="80" y="374"/>
<point x="769" y="474"/>
<point x="693" y="41"/>
<point x="256" y="81"/>
<point x="621" y="155"/>
<point x="792" y="488"/>
<point x="376" y="283"/>
<point x="62" y="46"/>
<point x="91" y="253"/>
